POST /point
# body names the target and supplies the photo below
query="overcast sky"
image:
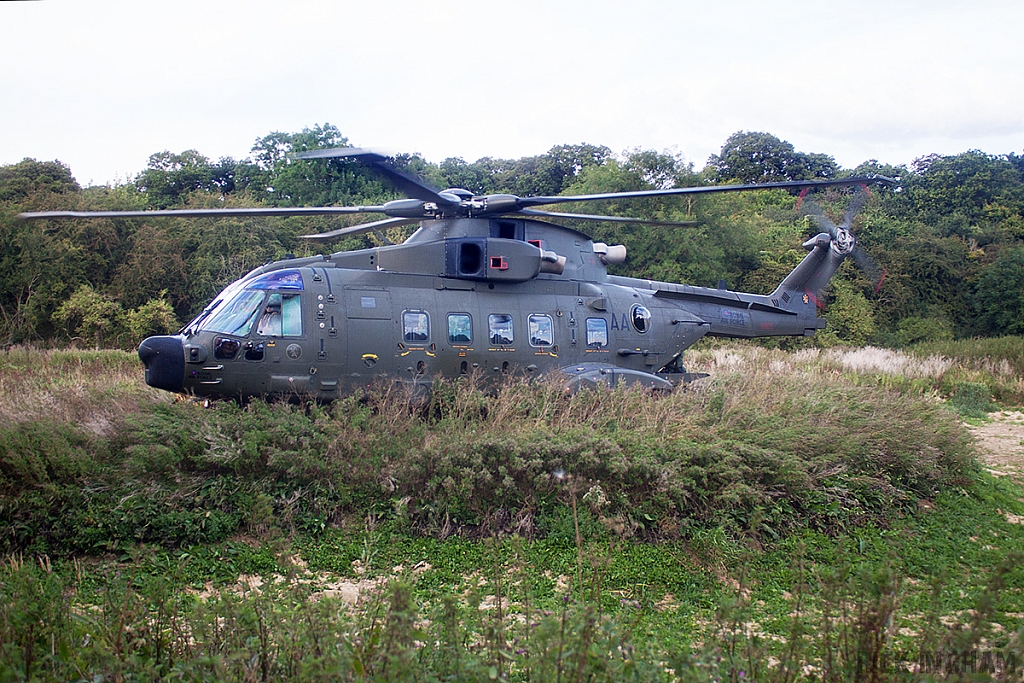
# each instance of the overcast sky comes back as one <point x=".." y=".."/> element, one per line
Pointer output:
<point x="102" y="84"/>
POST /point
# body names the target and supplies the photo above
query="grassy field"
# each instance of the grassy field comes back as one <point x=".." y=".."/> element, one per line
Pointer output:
<point x="810" y="515"/>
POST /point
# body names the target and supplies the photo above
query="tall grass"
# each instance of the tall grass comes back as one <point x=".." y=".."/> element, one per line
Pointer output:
<point x="786" y="437"/>
<point x="90" y="389"/>
<point x="56" y="627"/>
<point x="1000" y="355"/>
<point x="938" y="367"/>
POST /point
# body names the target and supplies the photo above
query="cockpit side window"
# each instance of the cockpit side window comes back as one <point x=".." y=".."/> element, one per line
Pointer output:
<point x="282" y="316"/>
<point x="270" y="322"/>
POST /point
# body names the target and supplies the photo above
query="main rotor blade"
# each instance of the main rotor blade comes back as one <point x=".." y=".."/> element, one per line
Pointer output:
<point x="790" y="185"/>
<point x="613" y="219"/>
<point x="403" y="182"/>
<point x="363" y="153"/>
<point x="204" y="213"/>
<point x="361" y="228"/>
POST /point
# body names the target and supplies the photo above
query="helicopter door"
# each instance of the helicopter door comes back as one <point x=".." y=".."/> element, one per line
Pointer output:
<point x="328" y="341"/>
<point x="280" y="317"/>
<point x="279" y="340"/>
<point x="369" y="331"/>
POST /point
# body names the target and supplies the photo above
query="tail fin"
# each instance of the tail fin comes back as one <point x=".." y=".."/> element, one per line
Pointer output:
<point x="808" y="280"/>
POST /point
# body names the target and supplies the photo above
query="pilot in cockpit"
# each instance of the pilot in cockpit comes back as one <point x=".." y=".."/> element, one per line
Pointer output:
<point x="270" y="322"/>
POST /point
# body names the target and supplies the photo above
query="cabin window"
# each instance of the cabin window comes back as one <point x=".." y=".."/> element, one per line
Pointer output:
<point x="640" y="317"/>
<point x="542" y="332"/>
<point x="237" y="316"/>
<point x="415" y="326"/>
<point x="597" y="333"/>
<point x="460" y="329"/>
<point x="499" y="326"/>
<point x="282" y="316"/>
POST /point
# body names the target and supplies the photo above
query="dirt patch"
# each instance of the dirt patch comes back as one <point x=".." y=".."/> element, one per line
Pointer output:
<point x="348" y="591"/>
<point x="1001" y="444"/>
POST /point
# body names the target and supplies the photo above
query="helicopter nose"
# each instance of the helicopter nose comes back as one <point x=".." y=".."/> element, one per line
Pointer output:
<point x="164" y="358"/>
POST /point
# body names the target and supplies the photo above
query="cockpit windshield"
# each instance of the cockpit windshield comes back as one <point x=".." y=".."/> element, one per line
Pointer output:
<point x="237" y="308"/>
<point x="236" y="316"/>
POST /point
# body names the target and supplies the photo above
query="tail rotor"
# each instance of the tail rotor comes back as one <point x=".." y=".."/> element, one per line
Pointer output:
<point x="843" y="241"/>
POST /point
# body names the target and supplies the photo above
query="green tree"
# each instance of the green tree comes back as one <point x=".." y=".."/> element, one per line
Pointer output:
<point x="281" y="181"/>
<point x="169" y="178"/>
<point x="716" y="247"/>
<point x="91" y="315"/>
<point x="40" y="264"/>
<point x="156" y="316"/>
<point x="455" y="172"/>
<point x="660" y="170"/>
<point x="928" y="276"/>
<point x="972" y="195"/>
<point x="546" y="174"/>
<point x="1000" y="293"/>
<point x="1017" y="160"/>
<point x="916" y="329"/>
<point x="751" y="157"/>
<point x="850" y="317"/>
<point x="154" y="264"/>
<point x="29" y="177"/>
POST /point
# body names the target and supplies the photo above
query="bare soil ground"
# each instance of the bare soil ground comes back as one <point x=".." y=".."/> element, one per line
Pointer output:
<point x="1001" y="444"/>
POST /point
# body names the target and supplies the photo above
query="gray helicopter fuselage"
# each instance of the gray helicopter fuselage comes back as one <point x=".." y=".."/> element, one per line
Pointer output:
<point x="461" y="296"/>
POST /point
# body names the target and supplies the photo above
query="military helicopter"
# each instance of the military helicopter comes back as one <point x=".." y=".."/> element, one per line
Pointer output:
<point x="486" y="285"/>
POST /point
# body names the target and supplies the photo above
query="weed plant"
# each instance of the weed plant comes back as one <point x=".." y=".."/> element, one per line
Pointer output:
<point x="972" y="399"/>
<point x="988" y="352"/>
<point x="53" y="628"/>
<point x="998" y="363"/>
<point x="841" y="622"/>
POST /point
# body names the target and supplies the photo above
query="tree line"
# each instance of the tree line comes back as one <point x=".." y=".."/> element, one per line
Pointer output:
<point x="948" y="240"/>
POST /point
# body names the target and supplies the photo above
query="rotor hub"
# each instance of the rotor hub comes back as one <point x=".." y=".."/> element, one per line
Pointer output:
<point x="843" y="242"/>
